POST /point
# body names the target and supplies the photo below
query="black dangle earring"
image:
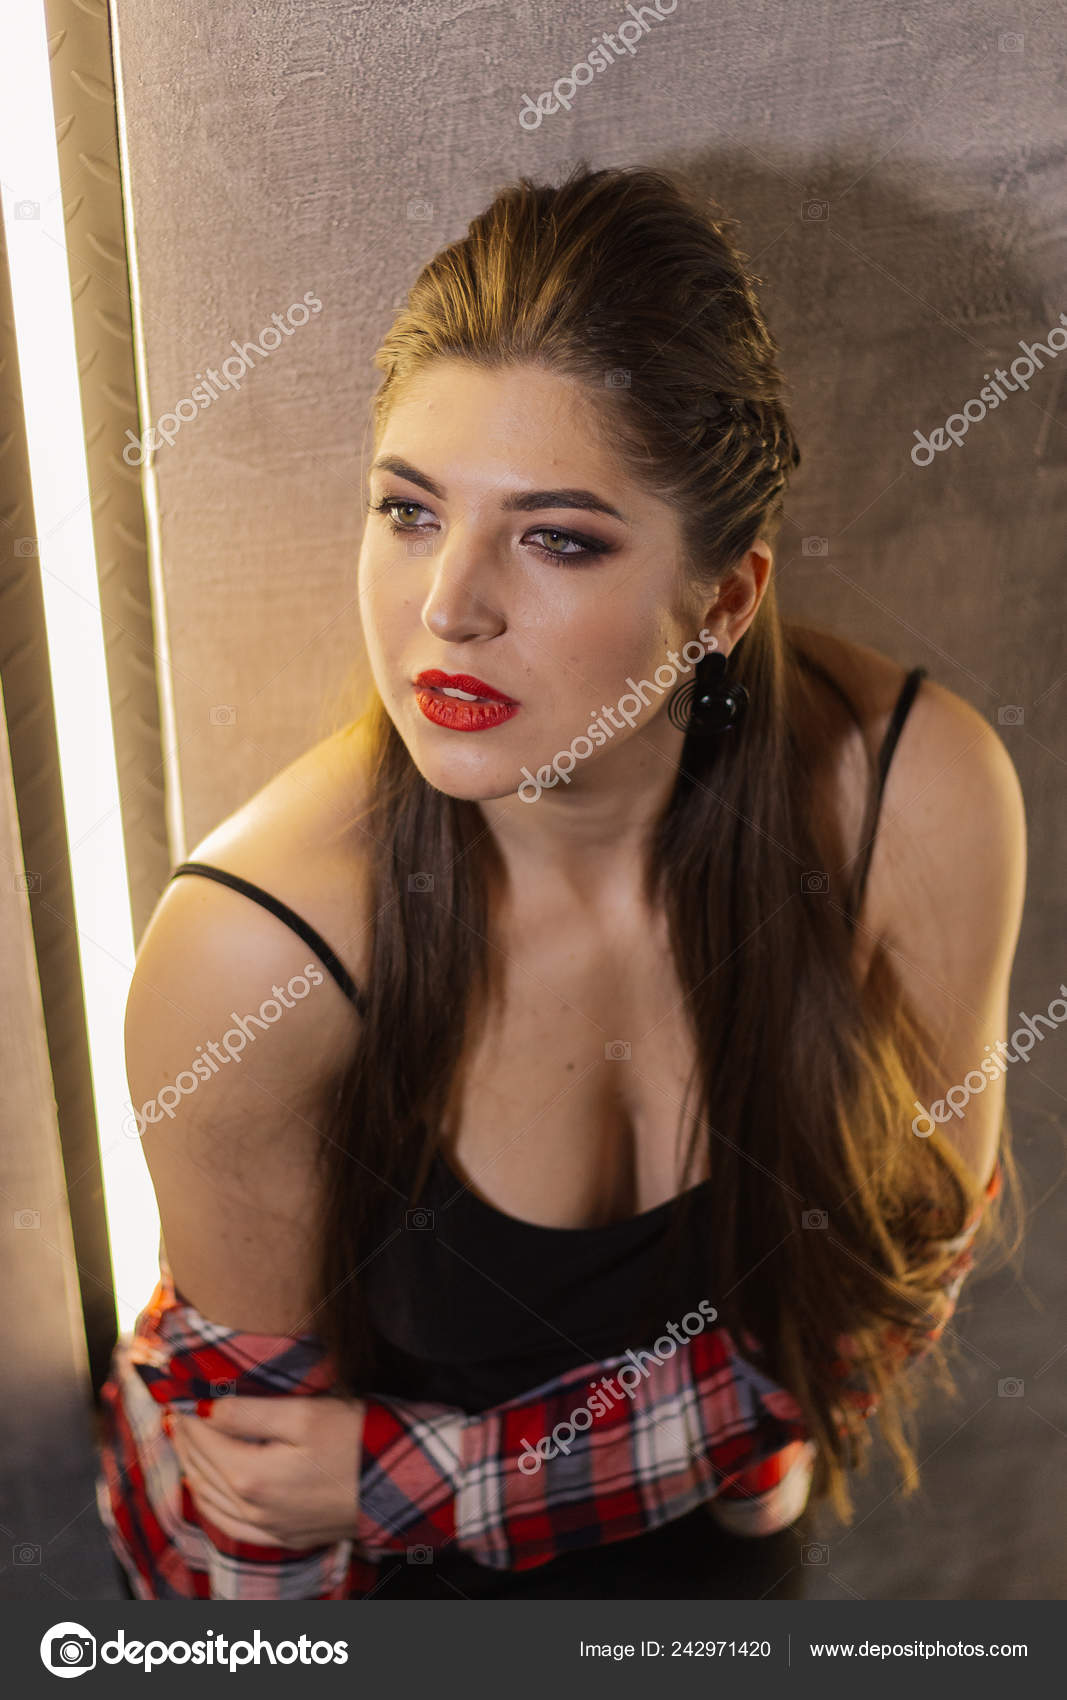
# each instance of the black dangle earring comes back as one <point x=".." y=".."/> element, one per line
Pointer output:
<point x="709" y="702"/>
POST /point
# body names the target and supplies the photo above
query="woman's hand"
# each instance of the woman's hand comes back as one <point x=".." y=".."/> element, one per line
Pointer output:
<point x="298" y="1487"/>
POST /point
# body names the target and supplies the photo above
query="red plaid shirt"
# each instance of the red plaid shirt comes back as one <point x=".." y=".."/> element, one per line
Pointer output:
<point x="704" y="1426"/>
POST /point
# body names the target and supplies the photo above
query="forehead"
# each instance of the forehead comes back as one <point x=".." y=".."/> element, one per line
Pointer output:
<point x="472" y="429"/>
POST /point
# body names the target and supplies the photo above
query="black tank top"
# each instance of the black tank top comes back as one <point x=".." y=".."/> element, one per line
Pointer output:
<point x="474" y="1307"/>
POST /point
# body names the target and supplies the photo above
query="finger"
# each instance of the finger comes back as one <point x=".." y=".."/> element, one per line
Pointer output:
<point x="225" y="1508"/>
<point x="222" y="1508"/>
<point x="219" y="1454"/>
<point x="268" y="1418"/>
<point x="195" y="1467"/>
<point x="218" y="1515"/>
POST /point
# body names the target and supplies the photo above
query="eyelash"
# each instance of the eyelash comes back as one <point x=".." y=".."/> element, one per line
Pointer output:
<point x="589" y="546"/>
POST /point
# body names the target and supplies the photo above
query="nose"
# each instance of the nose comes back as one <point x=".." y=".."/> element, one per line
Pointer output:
<point x="462" y="601"/>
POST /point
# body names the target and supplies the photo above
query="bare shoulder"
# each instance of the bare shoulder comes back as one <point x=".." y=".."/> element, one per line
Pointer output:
<point x="299" y="838"/>
<point x="951" y="826"/>
<point x="237" y="1038"/>
<point x="949" y="885"/>
<point x="951" y="844"/>
<point x="946" y="886"/>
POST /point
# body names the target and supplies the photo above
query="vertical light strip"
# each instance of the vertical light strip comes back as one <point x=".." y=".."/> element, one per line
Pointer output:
<point x="44" y="330"/>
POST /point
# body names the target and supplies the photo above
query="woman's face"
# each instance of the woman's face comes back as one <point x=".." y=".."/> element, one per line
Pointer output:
<point x="524" y="559"/>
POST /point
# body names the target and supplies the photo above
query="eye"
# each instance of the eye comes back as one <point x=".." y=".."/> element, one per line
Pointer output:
<point x="389" y="503"/>
<point x="582" y="547"/>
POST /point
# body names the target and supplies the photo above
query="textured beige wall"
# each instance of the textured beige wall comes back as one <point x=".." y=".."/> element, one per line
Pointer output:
<point x="276" y="150"/>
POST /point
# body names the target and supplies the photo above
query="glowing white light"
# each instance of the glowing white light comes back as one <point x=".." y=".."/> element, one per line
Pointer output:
<point x="37" y="256"/>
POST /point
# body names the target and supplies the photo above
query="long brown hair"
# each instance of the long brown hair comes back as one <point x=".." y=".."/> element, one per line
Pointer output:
<point x="805" y="1083"/>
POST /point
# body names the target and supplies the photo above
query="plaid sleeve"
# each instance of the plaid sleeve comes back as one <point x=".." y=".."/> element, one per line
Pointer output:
<point x="599" y="1454"/>
<point x="167" y="1546"/>
<point x="767" y="1495"/>
<point x="581" y="1462"/>
<point x="706" y="1426"/>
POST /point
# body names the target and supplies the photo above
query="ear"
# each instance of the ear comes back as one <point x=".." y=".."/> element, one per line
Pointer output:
<point x="739" y="594"/>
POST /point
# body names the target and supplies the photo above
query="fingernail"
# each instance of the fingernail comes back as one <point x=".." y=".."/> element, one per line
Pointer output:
<point x="203" y="1407"/>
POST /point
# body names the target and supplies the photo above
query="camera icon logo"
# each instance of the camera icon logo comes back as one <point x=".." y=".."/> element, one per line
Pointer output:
<point x="616" y="1050"/>
<point x="1009" y="1387"/>
<point x="814" y="1219"/>
<point x="223" y="714"/>
<point x="420" y="1219"/>
<point x="1011" y="714"/>
<point x="815" y="209"/>
<point x="814" y="545"/>
<point x="618" y="378"/>
<point x="26" y="546"/>
<point x="419" y="1555"/>
<point x="815" y="1552"/>
<point x="815" y="880"/>
<point x="420" y="882"/>
<point x="68" y="1649"/>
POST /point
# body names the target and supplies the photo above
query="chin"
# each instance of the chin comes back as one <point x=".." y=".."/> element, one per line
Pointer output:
<point x="471" y="779"/>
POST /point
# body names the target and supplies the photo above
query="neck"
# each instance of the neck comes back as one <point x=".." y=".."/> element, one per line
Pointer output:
<point x="590" y="836"/>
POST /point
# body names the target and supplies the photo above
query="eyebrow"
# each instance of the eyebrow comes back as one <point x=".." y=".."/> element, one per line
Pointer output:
<point x="522" y="501"/>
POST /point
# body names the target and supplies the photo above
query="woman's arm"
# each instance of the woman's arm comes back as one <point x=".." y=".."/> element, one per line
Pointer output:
<point x="236" y="1042"/>
<point x="945" y="898"/>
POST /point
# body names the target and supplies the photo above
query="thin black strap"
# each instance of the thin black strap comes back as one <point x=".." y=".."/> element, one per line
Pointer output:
<point x="289" y="916"/>
<point x="885" y="756"/>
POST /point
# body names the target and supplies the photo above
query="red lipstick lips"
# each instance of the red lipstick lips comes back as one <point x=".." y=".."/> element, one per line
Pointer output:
<point x="480" y="708"/>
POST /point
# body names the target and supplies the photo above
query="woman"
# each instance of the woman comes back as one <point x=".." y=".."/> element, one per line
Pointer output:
<point x="575" y="1177"/>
